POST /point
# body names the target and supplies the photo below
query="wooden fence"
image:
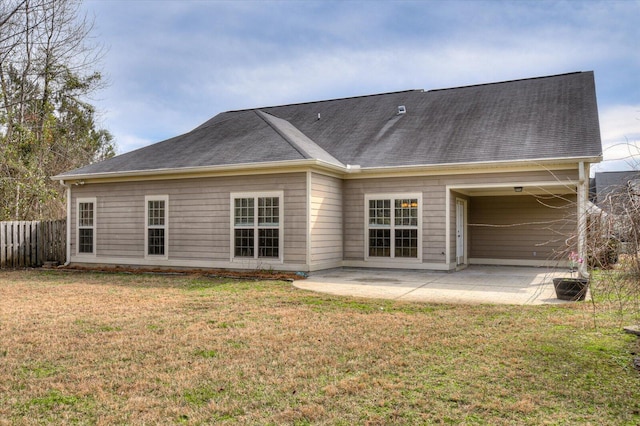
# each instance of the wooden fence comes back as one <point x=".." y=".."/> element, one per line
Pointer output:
<point x="32" y="243"/>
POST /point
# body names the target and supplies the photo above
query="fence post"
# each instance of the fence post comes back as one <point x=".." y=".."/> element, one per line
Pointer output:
<point x="3" y="245"/>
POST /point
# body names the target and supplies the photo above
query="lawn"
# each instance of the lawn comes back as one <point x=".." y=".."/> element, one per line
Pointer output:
<point x="92" y="348"/>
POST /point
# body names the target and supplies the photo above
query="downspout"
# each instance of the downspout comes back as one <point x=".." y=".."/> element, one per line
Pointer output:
<point x="68" y="187"/>
<point x="582" y="189"/>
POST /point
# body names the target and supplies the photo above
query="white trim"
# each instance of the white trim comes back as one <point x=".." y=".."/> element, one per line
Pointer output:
<point x="447" y="226"/>
<point x="255" y="195"/>
<point x="284" y="166"/>
<point x="93" y="227"/>
<point x="458" y="168"/>
<point x="147" y="199"/>
<point x="308" y="214"/>
<point x="392" y="197"/>
<point x="465" y="232"/>
<point x="68" y="238"/>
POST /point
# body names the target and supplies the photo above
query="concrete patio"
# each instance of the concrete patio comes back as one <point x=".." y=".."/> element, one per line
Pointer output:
<point x="476" y="284"/>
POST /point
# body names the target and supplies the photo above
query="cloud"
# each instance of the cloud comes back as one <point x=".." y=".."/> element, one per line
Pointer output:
<point x="174" y="66"/>
<point x="620" y="123"/>
<point x="130" y="142"/>
<point x="620" y="134"/>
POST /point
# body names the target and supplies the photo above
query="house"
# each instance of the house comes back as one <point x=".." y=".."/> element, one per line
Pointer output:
<point x="439" y="179"/>
<point x="615" y="188"/>
<point x="617" y="198"/>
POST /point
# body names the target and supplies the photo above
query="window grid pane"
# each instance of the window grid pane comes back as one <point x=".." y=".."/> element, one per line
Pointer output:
<point x="380" y="242"/>
<point x="268" y="242"/>
<point x="268" y="211"/>
<point x="406" y="212"/>
<point x="244" y="211"/>
<point x="406" y="243"/>
<point x="85" y="240"/>
<point x="380" y="212"/>
<point x="156" y="213"/>
<point x="244" y="242"/>
<point x="155" y="244"/>
<point x="85" y="212"/>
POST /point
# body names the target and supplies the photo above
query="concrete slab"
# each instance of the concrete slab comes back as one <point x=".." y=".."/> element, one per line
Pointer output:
<point x="474" y="285"/>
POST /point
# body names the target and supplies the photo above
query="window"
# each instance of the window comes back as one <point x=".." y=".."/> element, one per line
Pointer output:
<point x="256" y="225"/>
<point x="85" y="237"/>
<point x="156" y="226"/>
<point x="393" y="224"/>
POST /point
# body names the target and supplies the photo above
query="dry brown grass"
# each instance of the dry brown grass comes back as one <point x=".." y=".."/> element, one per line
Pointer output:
<point x="147" y="349"/>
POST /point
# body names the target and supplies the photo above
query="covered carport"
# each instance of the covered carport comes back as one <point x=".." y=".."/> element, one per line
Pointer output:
<point x="515" y="223"/>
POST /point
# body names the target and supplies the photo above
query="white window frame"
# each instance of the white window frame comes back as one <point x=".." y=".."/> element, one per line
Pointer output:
<point x="392" y="226"/>
<point x="93" y="227"/>
<point x="255" y="226"/>
<point x="147" y="199"/>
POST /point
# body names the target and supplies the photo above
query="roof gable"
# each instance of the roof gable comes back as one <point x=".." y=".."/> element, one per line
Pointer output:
<point x="305" y="146"/>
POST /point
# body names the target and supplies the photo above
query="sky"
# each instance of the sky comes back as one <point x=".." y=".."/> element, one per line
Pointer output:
<point x="172" y="65"/>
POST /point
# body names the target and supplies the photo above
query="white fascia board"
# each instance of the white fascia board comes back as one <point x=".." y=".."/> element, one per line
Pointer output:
<point x="347" y="172"/>
<point x="187" y="172"/>
<point x="472" y="167"/>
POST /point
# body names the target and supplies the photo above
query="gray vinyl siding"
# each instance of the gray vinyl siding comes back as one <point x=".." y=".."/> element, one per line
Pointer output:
<point x="199" y="215"/>
<point x="433" y="213"/>
<point x="326" y="219"/>
<point x="516" y="227"/>
<point x="434" y="217"/>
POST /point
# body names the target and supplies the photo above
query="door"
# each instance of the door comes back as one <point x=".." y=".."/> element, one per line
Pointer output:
<point x="461" y="212"/>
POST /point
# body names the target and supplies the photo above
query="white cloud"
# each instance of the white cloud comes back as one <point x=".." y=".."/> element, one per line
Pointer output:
<point x="176" y="65"/>
<point x="620" y="123"/>
<point x="128" y="142"/>
<point x="620" y="133"/>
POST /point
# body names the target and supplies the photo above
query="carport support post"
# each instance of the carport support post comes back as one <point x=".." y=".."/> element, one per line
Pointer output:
<point x="582" y="189"/>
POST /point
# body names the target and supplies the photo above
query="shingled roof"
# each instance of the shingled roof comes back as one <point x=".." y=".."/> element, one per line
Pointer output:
<point x="541" y="118"/>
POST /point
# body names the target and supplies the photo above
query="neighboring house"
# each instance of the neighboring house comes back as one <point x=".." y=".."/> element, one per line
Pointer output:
<point x="613" y="190"/>
<point x="617" y="195"/>
<point x="416" y="179"/>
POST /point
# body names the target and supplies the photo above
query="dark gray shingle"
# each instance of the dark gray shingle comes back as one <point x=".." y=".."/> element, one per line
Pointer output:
<point x="538" y="118"/>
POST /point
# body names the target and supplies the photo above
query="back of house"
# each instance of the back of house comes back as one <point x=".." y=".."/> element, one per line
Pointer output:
<point x="487" y="174"/>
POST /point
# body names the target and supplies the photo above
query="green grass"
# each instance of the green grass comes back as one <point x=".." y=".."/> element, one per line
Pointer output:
<point x="93" y="348"/>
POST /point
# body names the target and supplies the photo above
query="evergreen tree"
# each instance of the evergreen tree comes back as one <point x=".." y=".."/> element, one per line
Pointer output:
<point x="47" y="126"/>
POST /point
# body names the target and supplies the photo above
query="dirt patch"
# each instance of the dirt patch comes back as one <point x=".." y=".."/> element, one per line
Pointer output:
<point x="216" y="273"/>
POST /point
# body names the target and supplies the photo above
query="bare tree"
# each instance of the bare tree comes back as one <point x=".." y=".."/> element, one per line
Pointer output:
<point x="47" y="72"/>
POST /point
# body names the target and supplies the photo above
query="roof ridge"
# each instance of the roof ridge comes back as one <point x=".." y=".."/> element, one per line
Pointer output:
<point x="507" y="81"/>
<point x="327" y="100"/>
<point x="265" y="117"/>
<point x="272" y="121"/>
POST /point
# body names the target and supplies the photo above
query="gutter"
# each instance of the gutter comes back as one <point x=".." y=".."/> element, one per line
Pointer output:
<point x="68" y="250"/>
<point x="339" y="169"/>
<point x="202" y="170"/>
<point x="483" y="164"/>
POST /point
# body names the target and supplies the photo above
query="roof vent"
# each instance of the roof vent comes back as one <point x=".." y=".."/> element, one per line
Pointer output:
<point x="402" y="109"/>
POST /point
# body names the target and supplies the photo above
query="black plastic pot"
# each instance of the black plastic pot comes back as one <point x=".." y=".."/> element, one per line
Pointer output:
<point x="573" y="289"/>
